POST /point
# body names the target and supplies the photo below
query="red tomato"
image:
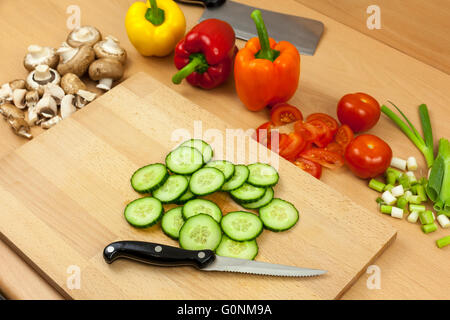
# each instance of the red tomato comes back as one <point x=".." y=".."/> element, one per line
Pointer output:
<point x="263" y="132"/>
<point x="368" y="156"/>
<point x="295" y="146"/>
<point x="307" y="130"/>
<point x="335" y="147"/>
<point x="324" y="135"/>
<point x="359" y="111"/>
<point x="331" y="123"/>
<point x="283" y="142"/>
<point x="284" y="113"/>
<point x="344" y="136"/>
<point x="324" y="157"/>
<point x="311" y="167"/>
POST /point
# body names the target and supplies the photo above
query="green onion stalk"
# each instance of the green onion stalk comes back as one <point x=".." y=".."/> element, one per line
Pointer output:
<point x="438" y="188"/>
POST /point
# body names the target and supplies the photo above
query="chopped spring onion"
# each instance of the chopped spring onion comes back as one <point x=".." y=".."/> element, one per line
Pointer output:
<point x="404" y="181"/>
<point x="388" y="198"/>
<point x="426" y="217"/>
<point x="416" y="207"/>
<point x="392" y="175"/>
<point x="388" y="187"/>
<point x="414" y="200"/>
<point x="398" y="163"/>
<point x="443" y="221"/>
<point x="411" y="164"/>
<point x="443" y="242"/>
<point x="411" y="176"/>
<point x="402" y="202"/>
<point x="397" y="213"/>
<point x="428" y="228"/>
<point x="413" y="189"/>
<point x="398" y="191"/>
<point x="421" y="192"/>
<point x="408" y="194"/>
<point x="413" y="217"/>
<point x="423" y="181"/>
<point x="386" y="209"/>
<point x="376" y="185"/>
<point x="438" y="188"/>
<point x="379" y="200"/>
<point x="425" y="145"/>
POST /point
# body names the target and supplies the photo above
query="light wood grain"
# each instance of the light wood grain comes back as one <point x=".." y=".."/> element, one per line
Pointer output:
<point x="416" y="27"/>
<point x="63" y="196"/>
<point x="346" y="61"/>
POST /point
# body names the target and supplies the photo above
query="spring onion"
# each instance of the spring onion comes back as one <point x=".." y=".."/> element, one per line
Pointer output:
<point x="426" y="217"/>
<point x="388" y="187"/>
<point x="398" y="191"/>
<point x="388" y="198"/>
<point x="413" y="217"/>
<point x="386" y="209"/>
<point x="402" y="202"/>
<point x="420" y="190"/>
<point x="392" y="175"/>
<point x="443" y="221"/>
<point x="408" y="194"/>
<point x="412" y="177"/>
<point x="379" y="200"/>
<point x="414" y="200"/>
<point x="404" y="181"/>
<point x="443" y="242"/>
<point x="398" y="163"/>
<point x="428" y="228"/>
<point x="416" y="207"/>
<point x="413" y="189"/>
<point x="397" y="213"/>
<point x="376" y="185"/>
<point x="425" y="145"/>
<point x="438" y="188"/>
<point x="411" y="164"/>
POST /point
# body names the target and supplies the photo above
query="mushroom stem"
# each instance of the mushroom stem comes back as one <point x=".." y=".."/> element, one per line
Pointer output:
<point x="105" y="84"/>
<point x="66" y="52"/>
<point x="42" y="73"/>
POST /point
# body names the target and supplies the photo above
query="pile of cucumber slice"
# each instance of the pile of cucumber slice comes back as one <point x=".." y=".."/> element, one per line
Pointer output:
<point x="199" y="224"/>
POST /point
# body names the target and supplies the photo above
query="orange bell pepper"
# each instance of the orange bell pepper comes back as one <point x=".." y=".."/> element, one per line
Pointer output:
<point x="266" y="72"/>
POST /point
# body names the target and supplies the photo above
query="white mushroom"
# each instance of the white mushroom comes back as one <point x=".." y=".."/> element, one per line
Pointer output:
<point x="38" y="55"/>
<point x="55" y="91"/>
<point x="18" y="84"/>
<point x="84" y="97"/>
<point x="67" y="106"/>
<point x="31" y="98"/>
<point x="105" y="71"/>
<point x="16" y="119"/>
<point x="84" y="35"/>
<point x="42" y="76"/>
<point x="6" y="93"/>
<point x="46" y="107"/>
<point x="32" y="116"/>
<point x="50" y="123"/>
<point x="110" y="48"/>
<point x="9" y="111"/>
<point x="19" y="96"/>
<point x="71" y="83"/>
<point x="75" y="60"/>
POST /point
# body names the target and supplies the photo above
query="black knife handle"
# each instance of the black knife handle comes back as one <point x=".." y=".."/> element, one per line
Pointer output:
<point x="157" y="254"/>
<point x="205" y="3"/>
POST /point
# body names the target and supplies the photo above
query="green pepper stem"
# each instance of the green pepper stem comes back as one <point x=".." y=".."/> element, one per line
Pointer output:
<point x="266" y="51"/>
<point x="198" y="63"/>
<point x="154" y="14"/>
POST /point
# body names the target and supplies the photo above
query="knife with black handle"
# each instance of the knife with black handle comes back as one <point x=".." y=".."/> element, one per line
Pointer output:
<point x="205" y="260"/>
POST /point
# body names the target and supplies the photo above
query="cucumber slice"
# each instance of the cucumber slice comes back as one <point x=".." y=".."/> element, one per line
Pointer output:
<point x="206" y="181"/>
<point x="200" y="232"/>
<point x="241" y="225"/>
<point x="197" y="206"/>
<point x="240" y="176"/>
<point x="188" y="195"/>
<point x="247" y="193"/>
<point x="268" y="196"/>
<point x="235" y="249"/>
<point x="201" y="146"/>
<point x="149" y="178"/>
<point x="226" y="167"/>
<point x="184" y="160"/>
<point x="279" y="215"/>
<point x="172" y="221"/>
<point x="172" y="189"/>
<point x="144" y="212"/>
<point x="262" y="175"/>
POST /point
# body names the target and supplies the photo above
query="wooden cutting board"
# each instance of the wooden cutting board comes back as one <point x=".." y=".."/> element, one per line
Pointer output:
<point x="63" y="194"/>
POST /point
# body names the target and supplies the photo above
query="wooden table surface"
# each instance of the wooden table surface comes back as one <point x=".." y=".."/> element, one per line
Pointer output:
<point x="347" y="60"/>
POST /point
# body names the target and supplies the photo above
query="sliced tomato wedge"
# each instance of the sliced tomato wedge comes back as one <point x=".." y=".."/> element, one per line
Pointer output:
<point x="307" y="130"/>
<point x="283" y="142"/>
<point x="324" y="157"/>
<point x="311" y="167"/>
<point x="294" y="147"/>
<point x="263" y="133"/>
<point x="284" y="113"/>
<point x="324" y="136"/>
<point x="344" y="136"/>
<point x="335" y="147"/>
<point x="331" y="123"/>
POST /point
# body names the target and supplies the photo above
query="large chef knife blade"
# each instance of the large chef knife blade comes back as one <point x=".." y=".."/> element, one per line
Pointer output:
<point x="304" y="33"/>
<point x="205" y="260"/>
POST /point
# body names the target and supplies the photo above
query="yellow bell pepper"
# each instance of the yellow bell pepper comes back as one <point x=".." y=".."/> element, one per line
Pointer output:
<point x="153" y="28"/>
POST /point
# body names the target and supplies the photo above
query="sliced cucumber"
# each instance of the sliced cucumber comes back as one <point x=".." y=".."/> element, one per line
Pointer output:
<point x="241" y="225"/>
<point x="172" y="221"/>
<point x="247" y="193"/>
<point x="226" y="167"/>
<point x="240" y="176"/>
<point x="184" y="160"/>
<point x="279" y="215"/>
<point x="262" y="175"/>
<point x="235" y="249"/>
<point x="172" y="189"/>
<point x="268" y="196"/>
<point x="201" y="146"/>
<point x="188" y="195"/>
<point x="206" y="181"/>
<point x="200" y="232"/>
<point x="149" y="178"/>
<point x="144" y="212"/>
<point x="197" y="206"/>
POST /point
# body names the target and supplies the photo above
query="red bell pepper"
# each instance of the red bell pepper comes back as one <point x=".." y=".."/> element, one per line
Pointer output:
<point x="206" y="54"/>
